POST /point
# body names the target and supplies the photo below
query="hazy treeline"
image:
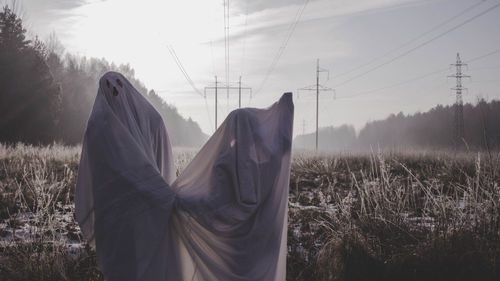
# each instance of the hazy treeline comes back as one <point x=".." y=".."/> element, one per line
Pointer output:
<point x="435" y="128"/>
<point x="330" y="138"/>
<point x="47" y="94"/>
<point x="30" y="99"/>
<point x="431" y="129"/>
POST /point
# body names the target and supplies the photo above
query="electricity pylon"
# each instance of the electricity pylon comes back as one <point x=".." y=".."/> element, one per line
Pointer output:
<point x="459" y="106"/>
<point x="317" y="87"/>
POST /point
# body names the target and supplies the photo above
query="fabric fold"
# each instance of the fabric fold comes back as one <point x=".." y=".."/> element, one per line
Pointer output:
<point x="223" y="218"/>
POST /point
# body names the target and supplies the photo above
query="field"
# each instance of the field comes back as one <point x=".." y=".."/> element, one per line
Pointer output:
<point x="419" y="215"/>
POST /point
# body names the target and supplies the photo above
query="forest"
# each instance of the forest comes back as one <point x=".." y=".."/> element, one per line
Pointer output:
<point x="380" y="207"/>
<point x="433" y="129"/>
<point x="46" y="93"/>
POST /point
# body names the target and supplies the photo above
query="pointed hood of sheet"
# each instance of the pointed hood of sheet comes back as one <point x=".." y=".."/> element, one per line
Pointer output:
<point x="122" y="198"/>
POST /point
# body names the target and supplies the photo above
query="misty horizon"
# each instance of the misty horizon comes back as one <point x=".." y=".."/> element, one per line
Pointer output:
<point x="383" y="57"/>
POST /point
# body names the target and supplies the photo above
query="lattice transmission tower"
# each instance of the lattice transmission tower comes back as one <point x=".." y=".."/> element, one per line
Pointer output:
<point x="458" y="122"/>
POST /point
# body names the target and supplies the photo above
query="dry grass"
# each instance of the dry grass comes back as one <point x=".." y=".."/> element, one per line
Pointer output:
<point x="375" y="216"/>
<point x="397" y="216"/>
<point x="39" y="239"/>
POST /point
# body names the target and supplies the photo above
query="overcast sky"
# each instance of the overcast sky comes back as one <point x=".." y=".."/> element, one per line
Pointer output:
<point x="373" y="50"/>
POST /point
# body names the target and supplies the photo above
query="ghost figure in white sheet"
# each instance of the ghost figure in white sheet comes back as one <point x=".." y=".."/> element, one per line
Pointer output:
<point x="223" y="218"/>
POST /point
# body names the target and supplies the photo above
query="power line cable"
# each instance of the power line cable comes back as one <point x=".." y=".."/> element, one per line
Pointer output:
<point x="483" y="56"/>
<point x="227" y="50"/>
<point x="244" y="40"/>
<point x="432" y="29"/>
<point x="394" y="85"/>
<point x="416" y="78"/>
<point x="419" y="45"/>
<point x="208" y="113"/>
<point x="212" y="55"/>
<point x="183" y="70"/>
<point x="188" y="79"/>
<point x="283" y="45"/>
<point x="226" y="41"/>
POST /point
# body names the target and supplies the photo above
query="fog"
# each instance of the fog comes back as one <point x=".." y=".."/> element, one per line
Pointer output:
<point x="52" y="55"/>
<point x="434" y="129"/>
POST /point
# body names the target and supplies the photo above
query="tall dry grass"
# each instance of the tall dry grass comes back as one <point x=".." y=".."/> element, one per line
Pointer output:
<point x="404" y="215"/>
<point x="398" y="216"/>
<point x="39" y="237"/>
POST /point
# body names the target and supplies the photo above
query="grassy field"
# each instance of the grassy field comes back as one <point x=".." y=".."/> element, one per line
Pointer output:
<point x="420" y="215"/>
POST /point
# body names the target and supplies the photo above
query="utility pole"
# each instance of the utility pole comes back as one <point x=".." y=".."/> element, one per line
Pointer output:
<point x="205" y="95"/>
<point x="317" y="87"/>
<point x="239" y="93"/>
<point x="227" y="87"/>
<point x="459" y="106"/>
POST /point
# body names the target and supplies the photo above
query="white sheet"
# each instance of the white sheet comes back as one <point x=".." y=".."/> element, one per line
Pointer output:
<point x="223" y="218"/>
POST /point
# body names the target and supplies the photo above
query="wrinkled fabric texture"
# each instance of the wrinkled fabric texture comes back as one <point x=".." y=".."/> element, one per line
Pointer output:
<point x="223" y="218"/>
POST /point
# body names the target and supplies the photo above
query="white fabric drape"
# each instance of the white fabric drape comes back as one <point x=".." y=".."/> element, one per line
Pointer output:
<point x="223" y="218"/>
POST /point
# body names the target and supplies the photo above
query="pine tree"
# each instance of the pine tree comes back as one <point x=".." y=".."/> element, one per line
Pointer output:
<point x="29" y="98"/>
<point x="12" y="33"/>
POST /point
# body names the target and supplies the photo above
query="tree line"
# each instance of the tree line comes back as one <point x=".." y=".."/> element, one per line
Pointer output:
<point x="433" y="129"/>
<point x="46" y="94"/>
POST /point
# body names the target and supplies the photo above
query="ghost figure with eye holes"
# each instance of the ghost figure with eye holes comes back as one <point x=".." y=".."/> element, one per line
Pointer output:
<point x="131" y="110"/>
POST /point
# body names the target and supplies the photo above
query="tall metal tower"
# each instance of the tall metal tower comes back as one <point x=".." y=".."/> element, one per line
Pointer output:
<point x="459" y="106"/>
<point x="317" y="87"/>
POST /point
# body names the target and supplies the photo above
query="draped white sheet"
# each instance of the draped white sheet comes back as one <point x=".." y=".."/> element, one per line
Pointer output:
<point x="223" y="218"/>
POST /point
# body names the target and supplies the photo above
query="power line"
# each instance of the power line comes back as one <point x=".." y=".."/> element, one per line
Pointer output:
<point x="283" y="45"/>
<point x="226" y="40"/>
<point x="419" y="77"/>
<point x="394" y="85"/>
<point x="183" y="70"/>
<point x="459" y="106"/>
<point x="244" y="40"/>
<point x="317" y="87"/>
<point x="208" y="112"/>
<point x="214" y="16"/>
<point x="469" y="8"/>
<point x="486" y="81"/>
<point x="212" y="55"/>
<point x="188" y="79"/>
<point x="419" y="45"/>
<point x="227" y="86"/>
<point x="216" y="102"/>
<point x="484" y="56"/>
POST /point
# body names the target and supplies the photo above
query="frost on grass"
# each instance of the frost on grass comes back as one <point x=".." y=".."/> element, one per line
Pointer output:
<point x="39" y="238"/>
<point x="396" y="216"/>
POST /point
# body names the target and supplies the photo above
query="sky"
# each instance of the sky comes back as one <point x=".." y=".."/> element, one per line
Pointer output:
<point x="380" y="56"/>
